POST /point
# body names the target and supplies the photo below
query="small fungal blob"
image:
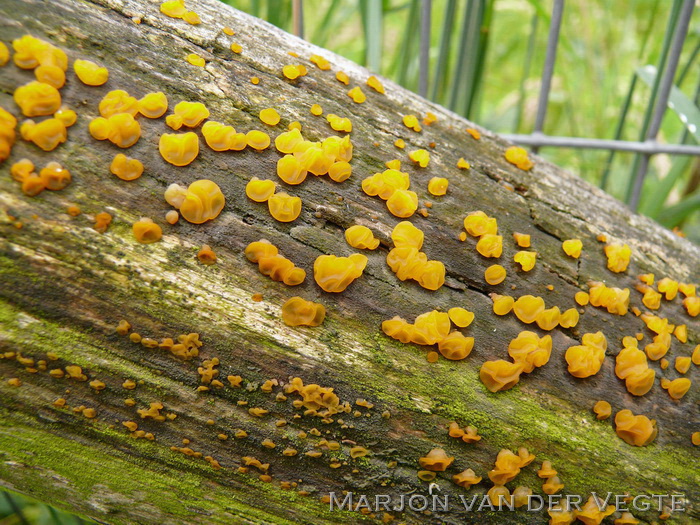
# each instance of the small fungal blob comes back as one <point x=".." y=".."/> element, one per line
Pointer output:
<point x="55" y="177"/>
<point x="125" y="167"/>
<point x="526" y="260"/>
<point x="602" y="410"/>
<point x="518" y="157"/>
<point x="334" y="274"/>
<point x="272" y="264"/>
<point x="495" y="274"/>
<point x="206" y="255"/>
<point x="438" y="186"/>
<point x="375" y="84"/>
<point x="500" y="375"/>
<point x="618" y="257"/>
<point x="528" y="307"/>
<point x="572" y="248"/>
<point x="259" y="190"/>
<point x="270" y="117"/>
<point x="361" y="237"/>
<point x="637" y="431"/>
<point x="37" y="99"/>
<point x="466" y="478"/>
<point x="436" y="460"/>
<point x="284" y="207"/>
<point x="455" y="346"/>
<point x="420" y="157"/>
<point x="490" y="245"/>
<point x="258" y="140"/>
<point x="585" y="360"/>
<point x="357" y="96"/>
<point x="146" y="231"/>
<point x="89" y="73"/>
<point x="299" y="312"/>
<point x="179" y="149"/>
<point x="118" y="101"/>
<point x="530" y="350"/>
<point x="460" y="317"/>
<point x="202" y="201"/>
<point x="47" y="134"/>
<point x="153" y="105"/>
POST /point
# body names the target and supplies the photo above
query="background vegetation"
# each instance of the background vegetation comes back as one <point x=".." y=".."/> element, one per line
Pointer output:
<point x="486" y="59"/>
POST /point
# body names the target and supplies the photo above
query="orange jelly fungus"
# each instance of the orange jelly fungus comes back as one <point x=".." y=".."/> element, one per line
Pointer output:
<point x="407" y="262"/>
<point x="89" y="73"/>
<point x="202" y="201"/>
<point x="466" y="478"/>
<point x="602" y="410"/>
<point x="195" y="60"/>
<point x="258" y="140"/>
<point x="490" y="245"/>
<point x="342" y="77"/>
<point x="189" y="114"/>
<point x="420" y="157"/>
<point x="269" y="116"/>
<point x="500" y="375"/>
<point x="299" y="312"/>
<point x="153" y="105"/>
<point x="321" y="62"/>
<point x="585" y="360"/>
<point x="438" y="186"/>
<point x="292" y="72"/>
<point x="506" y="467"/>
<point x="502" y="304"/>
<point x="54" y="176"/>
<point x="572" y="248"/>
<point x="526" y="260"/>
<point x="334" y="274"/>
<point x="357" y="95"/>
<point x="522" y="239"/>
<point x="463" y="164"/>
<point x="618" y="257"/>
<point x="284" y="207"/>
<point x="146" y="231"/>
<point x="8" y="123"/>
<point x="102" y="221"/>
<point x="518" y="157"/>
<point x="375" y="84"/>
<point x="460" y="317"/>
<point x="37" y="99"/>
<point x="206" y="255"/>
<point x="668" y="287"/>
<point x="274" y="265"/>
<point x="528" y="307"/>
<point x="631" y="365"/>
<point x="118" y="101"/>
<point x="677" y="388"/>
<point x="615" y="300"/>
<point x="47" y="134"/>
<point x="339" y="123"/>
<point x="530" y="350"/>
<point x="436" y="460"/>
<point x="220" y="137"/>
<point x="455" y="346"/>
<point x="637" y="431"/>
<point x="67" y="116"/>
<point x="173" y="8"/>
<point x="260" y="190"/>
<point x="125" y="167"/>
<point x="179" y="149"/>
<point x="495" y="274"/>
<point x="361" y="237"/>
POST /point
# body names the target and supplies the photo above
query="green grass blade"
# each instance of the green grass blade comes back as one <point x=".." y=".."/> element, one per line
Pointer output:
<point x="407" y="54"/>
<point x="441" y="77"/>
<point x="676" y="214"/>
<point x="527" y="65"/>
<point x="279" y="13"/>
<point x="484" y="33"/>
<point x="372" y="23"/>
<point x="619" y="128"/>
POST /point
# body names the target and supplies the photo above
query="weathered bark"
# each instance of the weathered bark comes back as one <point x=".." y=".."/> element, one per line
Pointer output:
<point x="65" y="287"/>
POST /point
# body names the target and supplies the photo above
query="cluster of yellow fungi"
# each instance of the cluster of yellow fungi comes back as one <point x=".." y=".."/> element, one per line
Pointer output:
<point x="518" y="157"/>
<point x="202" y="201"/>
<point x="177" y="9"/>
<point x="299" y="312"/>
<point x="392" y="185"/>
<point x="408" y="262"/>
<point x="274" y="265"/>
<point x="51" y="177"/>
<point x="586" y="359"/>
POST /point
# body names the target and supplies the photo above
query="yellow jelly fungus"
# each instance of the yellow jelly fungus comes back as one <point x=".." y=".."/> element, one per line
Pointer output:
<point x="572" y="248"/>
<point x="102" y="221"/>
<point x="172" y="217"/>
<point x="67" y="116"/>
<point x="195" y="60"/>
<point x="238" y="49"/>
<point x="402" y="203"/>
<point x="89" y="73"/>
<point x="31" y="52"/>
<point x="259" y="190"/>
<point x="668" y="287"/>
<point x="651" y="298"/>
<point x="51" y="75"/>
<point x="585" y="360"/>
<point x="54" y="176"/>
<point x="123" y="130"/>
<point x="530" y="350"/>
<point x="400" y="143"/>
<point x="436" y="460"/>
<point x="179" y="149"/>
<point x="269" y="116"/>
<point x="361" y="237"/>
<point x="357" y="96"/>
<point x="438" y="186"/>
<point x="527" y="308"/>
<point x="218" y="136"/>
<point x="126" y="168"/>
<point x="258" y="140"/>
<point x="339" y="123"/>
<point x="615" y="300"/>
<point x="290" y="170"/>
<point x="228" y="31"/>
<point x="299" y="312"/>
<point x="274" y="265"/>
<point x="401" y="330"/>
<point x="192" y="18"/>
<point x="495" y="274"/>
<point x="499" y="496"/>
<point x="631" y="365"/>
<point x="581" y="298"/>
<point x="334" y="274"/>
<point x="526" y="260"/>
<point x="678" y="387"/>
<point x="340" y="171"/>
<point x="292" y="72"/>
<point x="460" y="317"/>
<point x="284" y="207"/>
<point x="316" y="110"/>
<point x="602" y="410"/>
<point x="173" y="8"/>
<point x="637" y="431"/>
<point x="202" y="201"/>
<point x="321" y="63"/>
<point x="500" y="375"/>
<point x="4" y="54"/>
<point x="518" y="157"/>
<point x="37" y="99"/>
<point x="254" y="80"/>
<point x="411" y="122"/>
<point x="153" y="105"/>
<point x="695" y="357"/>
<point x="502" y="304"/>
<point x="430" y="118"/>
<point x="21" y="169"/>
<point x="420" y="157"/>
<point x="146" y="231"/>
<point x="118" y="101"/>
<point x="456" y="346"/>
<point x="288" y="141"/>
<point x="687" y="289"/>
<point x="552" y="485"/>
<point x="478" y="224"/>
<point x="692" y="305"/>
<point x="342" y="77"/>
<point x="522" y="239"/>
<point x="192" y="114"/>
<point x="47" y="134"/>
<point x="375" y="84"/>
<point x="569" y="318"/>
<point x="33" y="185"/>
<point x="618" y="257"/>
<point x="463" y="164"/>
<point x="490" y="245"/>
<point x="695" y="438"/>
<point x="466" y="478"/>
<point x="384" y="184"/>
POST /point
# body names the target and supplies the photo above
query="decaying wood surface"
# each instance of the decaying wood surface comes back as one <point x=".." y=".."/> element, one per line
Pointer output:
<point x="64" y="287"/>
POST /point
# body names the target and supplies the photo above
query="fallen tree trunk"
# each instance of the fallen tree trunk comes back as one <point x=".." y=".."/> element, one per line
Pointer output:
<point x="65" y="287"/>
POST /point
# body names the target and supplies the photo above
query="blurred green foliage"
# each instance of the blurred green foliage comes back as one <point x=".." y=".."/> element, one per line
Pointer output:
<point x="20" y="510"/>
<point x="486" y="59"/>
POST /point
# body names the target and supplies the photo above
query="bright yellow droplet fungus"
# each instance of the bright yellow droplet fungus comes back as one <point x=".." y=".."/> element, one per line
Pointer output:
<point x="530" y="350"/>
<point x="361" y="237"/>
<point x="269" y="116"/>
<point x="89" y="73"/>
<point x="125" y="167"/>
<point x="47" y="134"/>
<point x="495" y="274"/>
<point x="500" y="375"/>
<point x="284" y="207"/>
<point x="585" y="360"/>
<point x="118" y="101"/>
<point x="518" y="157"/>
<point x="572" y="248"/>
<point x="260" y="190"/>
<point x="335" y="274"/>
<point x="357" y="96"/>
<point x="420" y="157"/>
<point x="478" y="224"/>
<point x="299" y="312"/>
<point x="274" y="265"/>
<point x="526" y="260"/>
<point x="602" y="410"/>
<point x="438" y="186"/>
<point x="637" y="431"/>
<point x="202" y="201"/>
<point x="37" y="99"/>
<point x="179" y="149"/>
<point x="436" y="460"/>
<point x="55" y="177"/>
<point x="618" y="257"/>
<point x="146" y="231"/>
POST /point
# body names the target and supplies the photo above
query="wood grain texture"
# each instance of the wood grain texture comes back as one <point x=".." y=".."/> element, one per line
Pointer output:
<point x="65" y="287"/>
